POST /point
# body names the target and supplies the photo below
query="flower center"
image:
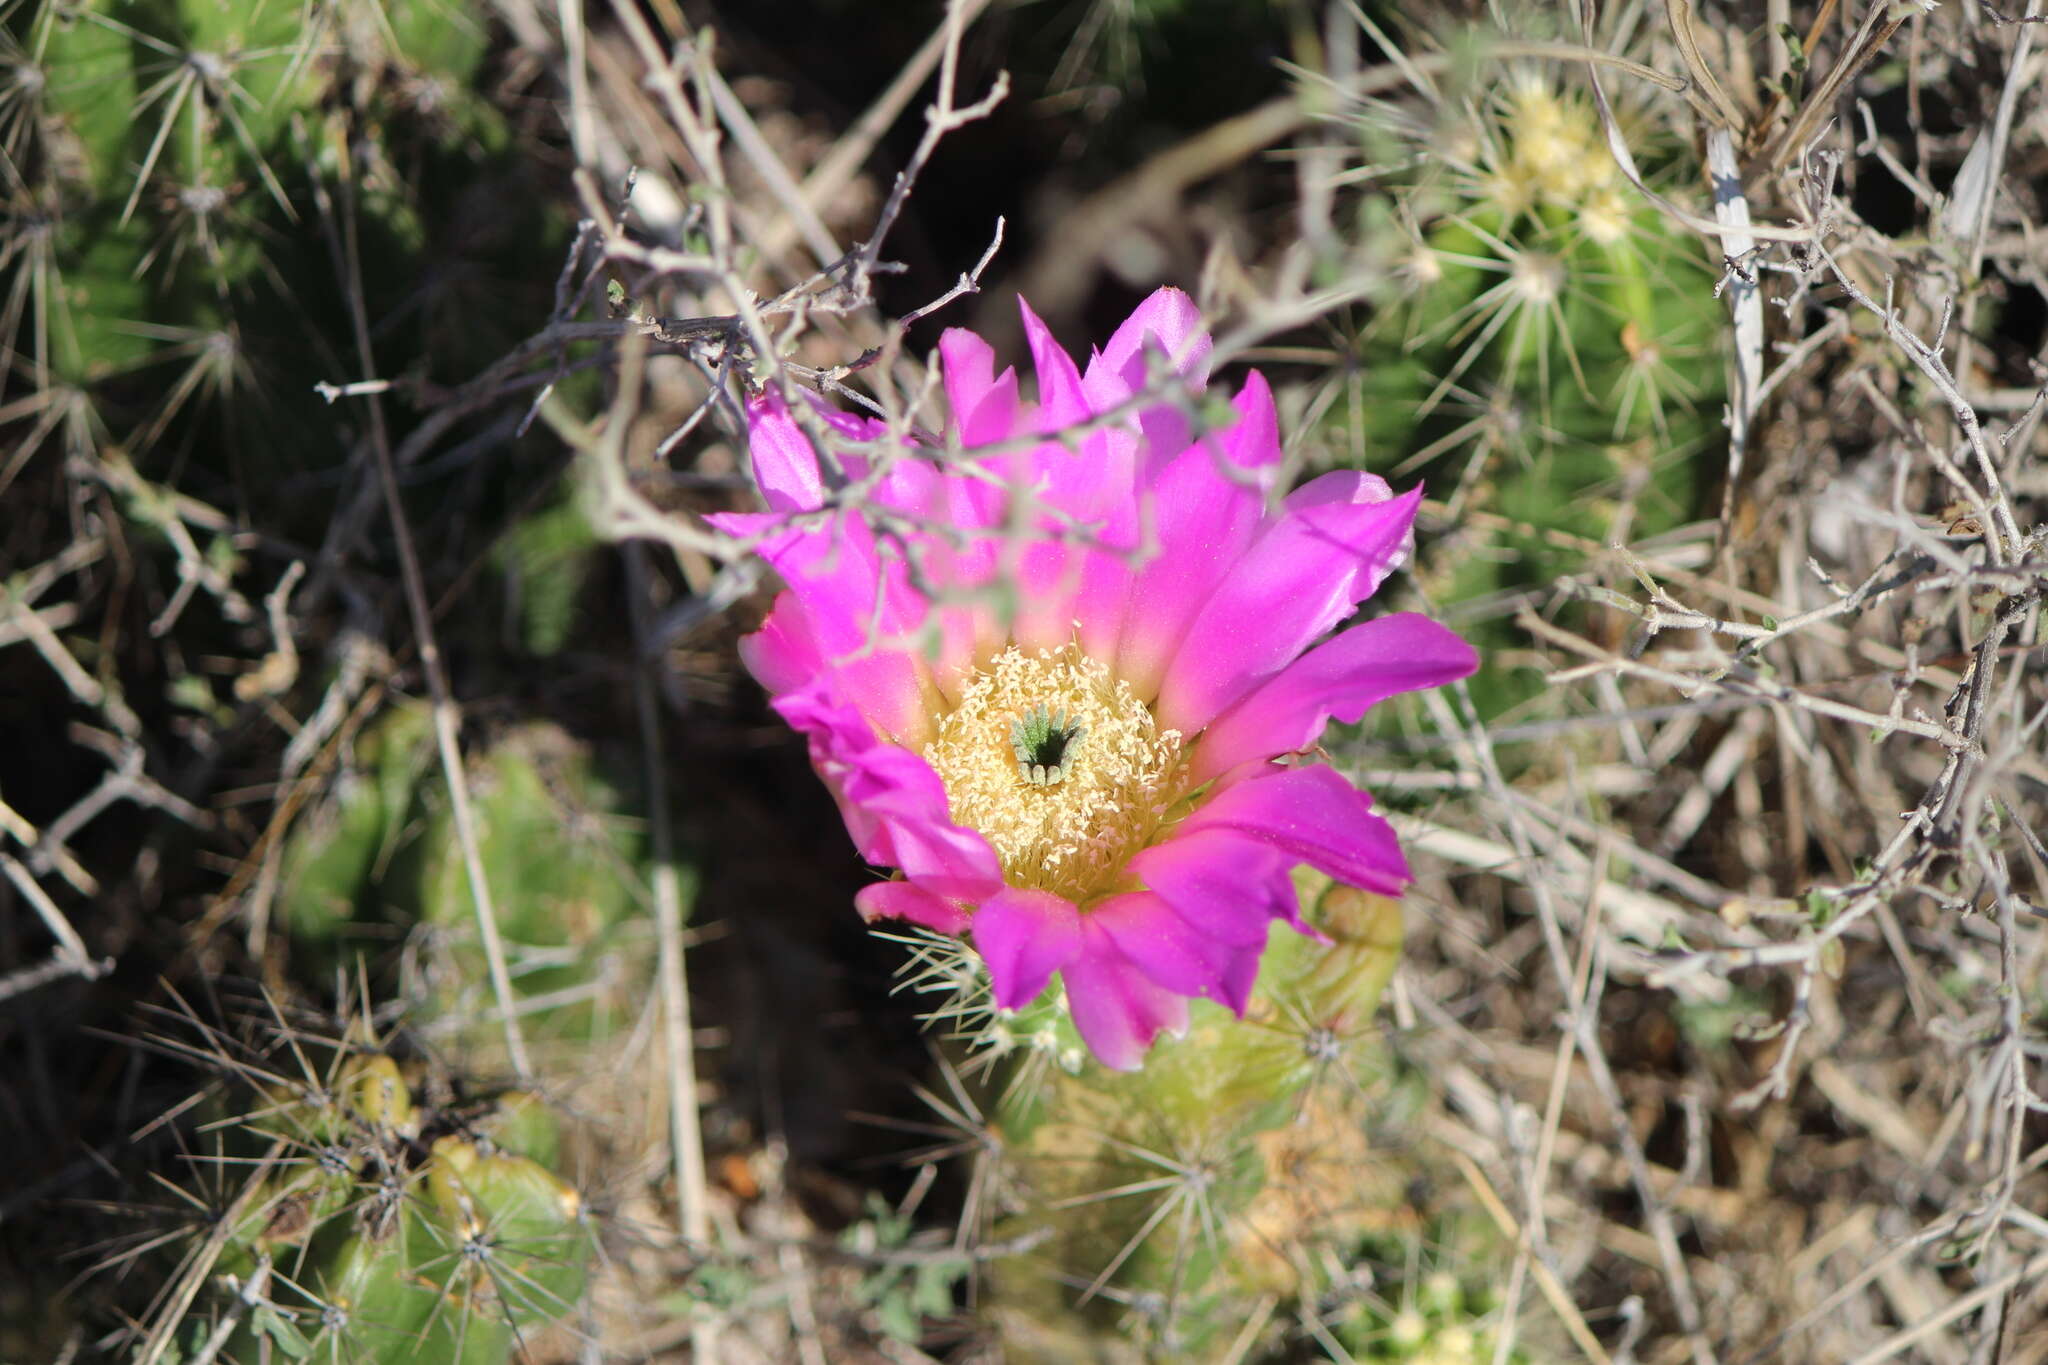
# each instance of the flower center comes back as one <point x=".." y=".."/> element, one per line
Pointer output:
<point x="1059" y="767"/>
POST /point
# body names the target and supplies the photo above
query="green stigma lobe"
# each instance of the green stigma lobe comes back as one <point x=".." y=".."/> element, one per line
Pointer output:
<point x="1043" y="739"/>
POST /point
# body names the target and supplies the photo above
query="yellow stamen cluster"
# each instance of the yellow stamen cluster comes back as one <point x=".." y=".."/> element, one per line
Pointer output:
<point x="1117" y="777"/>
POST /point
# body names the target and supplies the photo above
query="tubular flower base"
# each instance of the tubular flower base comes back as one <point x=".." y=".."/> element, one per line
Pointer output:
<point x="1103" y="783"/>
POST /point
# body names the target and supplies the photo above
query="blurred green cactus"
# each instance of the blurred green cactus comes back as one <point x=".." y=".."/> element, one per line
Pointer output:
<point x="1431" y="1318"/>
<point x="544" y="561"/>
<point x="379" y="1229"/>
<point x="563" y="866"/>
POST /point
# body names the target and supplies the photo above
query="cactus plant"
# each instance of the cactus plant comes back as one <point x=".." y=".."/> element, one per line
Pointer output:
<point x="377" y="1228"/>
<point x="1429" y="1317"/>
<point x="544" y="560"/>
<point x="168" y="169"/>
<point x="1548" y="359"/>
<point x="1233" y="1168"/>
<point x="563" y="867"/>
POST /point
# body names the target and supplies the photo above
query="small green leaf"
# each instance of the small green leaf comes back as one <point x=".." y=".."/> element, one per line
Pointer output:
<point x="1796" y="48"/>
<point x="898" y="1319"/>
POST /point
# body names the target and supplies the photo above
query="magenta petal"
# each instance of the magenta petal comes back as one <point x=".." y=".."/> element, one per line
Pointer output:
<point x="1202" y="522"/>
<point x="855" y="428"/>
<point x="785" y="464"/>
<point x="781" y="655"/>
<point x="902" y="900"/>
<point x="1253" y="441"/>
<point x="1060" y="581"/>
<point x="852" y="425"/>
<point x="937" y="854"/>
<point x="1304" y="574"/>
<point x="804" y="638"/>
<point x="836" y="572"/>
<point x="984" y="405"/>
<point x="1025" y="936"/>
<point x="1169" y="326"/>
<point x="1174" y="954"/>
<point x="894" y="804"/>
<point x="1068" y="591"/>
<point x="1116" y="1009"/>
<point x="1048" y="577"/>
<point x="968" y="366"/>
<point x="1228" y="885"/>
<point x="914" y="486"/>
<point x="1100" y="604"/>
<point x="1171" y="321"/>
<point x="1061" y="403"/>
<point x="1316" y="817"/>
<point x="1358" y="512"/>
<point x="1342" y="678"/>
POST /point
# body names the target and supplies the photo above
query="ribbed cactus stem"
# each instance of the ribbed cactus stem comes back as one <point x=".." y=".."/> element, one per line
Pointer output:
<point x="1158" y="1185"/>
<point x="373" y="1249"/>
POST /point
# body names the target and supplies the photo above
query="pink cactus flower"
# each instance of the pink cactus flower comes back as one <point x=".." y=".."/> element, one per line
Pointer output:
<point x="1105" y="782"/>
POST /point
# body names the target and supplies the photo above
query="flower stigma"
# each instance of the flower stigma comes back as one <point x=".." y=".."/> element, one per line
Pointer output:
<point x="1059" y="767"/>
<point x="1042" y="740"/>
